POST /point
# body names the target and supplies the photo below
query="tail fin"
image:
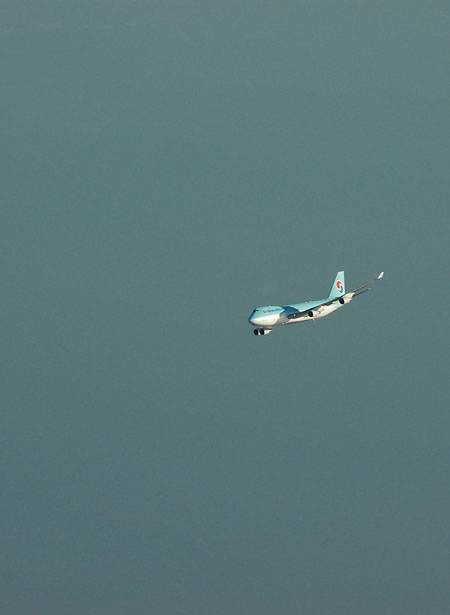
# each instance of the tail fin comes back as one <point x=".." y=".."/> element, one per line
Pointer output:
<point x="338" y="288"/>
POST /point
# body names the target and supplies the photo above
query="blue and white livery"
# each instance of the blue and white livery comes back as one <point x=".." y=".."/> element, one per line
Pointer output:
<point x="263" y="319"/>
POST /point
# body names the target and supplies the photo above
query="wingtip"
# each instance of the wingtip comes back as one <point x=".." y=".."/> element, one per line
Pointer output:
<point x="380" y="275"/>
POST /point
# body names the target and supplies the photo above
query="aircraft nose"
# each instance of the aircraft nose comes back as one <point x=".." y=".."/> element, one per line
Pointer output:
<point x="253" y="318"/>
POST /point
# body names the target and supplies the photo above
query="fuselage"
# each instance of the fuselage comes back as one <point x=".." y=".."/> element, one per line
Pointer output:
<point x="273" y="315"/>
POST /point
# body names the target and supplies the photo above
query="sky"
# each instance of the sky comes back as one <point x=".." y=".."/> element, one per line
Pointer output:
<point x="167" y="167"/>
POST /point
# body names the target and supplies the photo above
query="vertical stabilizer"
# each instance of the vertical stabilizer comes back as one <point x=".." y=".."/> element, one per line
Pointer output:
<point x="338" y="288"/>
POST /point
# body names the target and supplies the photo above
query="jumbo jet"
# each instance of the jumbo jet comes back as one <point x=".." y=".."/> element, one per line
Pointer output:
<point x="269" y="316"/>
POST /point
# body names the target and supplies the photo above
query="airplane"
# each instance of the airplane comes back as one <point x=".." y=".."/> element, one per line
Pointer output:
<point x="269" y="316"/>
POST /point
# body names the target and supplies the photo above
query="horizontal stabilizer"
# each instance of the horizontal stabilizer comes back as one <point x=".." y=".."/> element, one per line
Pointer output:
<point x="362" y="289"/>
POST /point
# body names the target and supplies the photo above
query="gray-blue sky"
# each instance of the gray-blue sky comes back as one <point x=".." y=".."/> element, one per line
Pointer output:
<point x="166" y="167"/>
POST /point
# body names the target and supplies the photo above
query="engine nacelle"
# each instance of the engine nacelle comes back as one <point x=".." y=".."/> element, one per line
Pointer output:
<point x="311" y="314"/>
<point x="341" y="300"/>
<point x="262" y="331"/>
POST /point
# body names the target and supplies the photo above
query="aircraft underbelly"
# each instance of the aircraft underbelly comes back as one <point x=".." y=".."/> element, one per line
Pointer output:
<point x="293" y="321"/>
<point x="267" y="321"/>
<point x="319" y="312"/>
<point x="327" y="309"/>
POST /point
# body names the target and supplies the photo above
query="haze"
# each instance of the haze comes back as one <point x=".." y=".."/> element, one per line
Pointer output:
<point x="166" y="167"/>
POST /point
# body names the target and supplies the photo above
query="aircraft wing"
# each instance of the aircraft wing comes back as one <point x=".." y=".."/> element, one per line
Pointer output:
<point x="313" y="310"/>
<point x="362" y="289"/>
<point x="316" y="309"/>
